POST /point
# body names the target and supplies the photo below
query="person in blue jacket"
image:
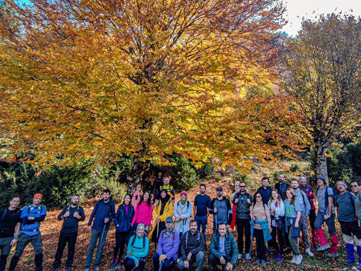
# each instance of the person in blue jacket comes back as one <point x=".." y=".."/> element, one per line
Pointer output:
<point x="137" y="250"/>
<point x="31" y="217"/>
<point x="102" y="215"/>
<point x="123" y="223"/>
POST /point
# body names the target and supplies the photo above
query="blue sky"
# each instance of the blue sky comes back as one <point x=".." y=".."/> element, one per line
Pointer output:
<point x="297" y="9"/>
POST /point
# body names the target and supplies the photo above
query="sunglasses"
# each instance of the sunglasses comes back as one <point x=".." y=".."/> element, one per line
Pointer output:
<point x="242" y="186"/>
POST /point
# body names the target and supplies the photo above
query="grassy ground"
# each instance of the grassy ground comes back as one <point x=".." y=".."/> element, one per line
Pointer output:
<point x="51" y="227"/>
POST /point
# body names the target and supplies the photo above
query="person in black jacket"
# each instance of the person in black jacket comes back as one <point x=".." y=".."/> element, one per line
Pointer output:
<point x="265" y="190"/>
<point x="221" y="208"/>
<point x="9" y="229"/>
<point x="71" y="215"/>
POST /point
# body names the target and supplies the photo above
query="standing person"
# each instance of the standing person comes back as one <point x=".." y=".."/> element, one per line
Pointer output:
<point x="326" y="213"/>
<point x="277" y="212"/>
<point x="202" y="204"/>
<point x="102" y="214"/>
<point x="192" y="248"/>
<point x="355" y="188"/>
<point x="243" y="202"/>
<point x="137" y="250"/>
<point x="308" y="190"/>
<point x="71" y="215"/>
<point x="261" y="226"/>
<point x="31" y="217"/>
<point x="143" y="212"/>
<point x="166" y="186"/>
<point x="236" y="190"/>
<point x="182" y="214"/>
<point x="157" y="183"/>
<point x="9" y="228"/>
<point x="305" y="207"/>
<point x="293" y="216"/>
<point x="282" y="186"/>
<point x="123" y="223"/>
<point x="345" y="204"/>
<point x="162" y="210"/>
<point x="223" y="250"/>
<point x="137" y="196"/>
<point x="265" y="190"/>
<point x="168" y="245"/>
<point x="221" y="208"/>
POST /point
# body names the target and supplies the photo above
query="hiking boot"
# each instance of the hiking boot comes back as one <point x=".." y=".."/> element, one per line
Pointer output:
<point x="240" y="256"/>
<point x="248" y="256"/>
<point x="96" y="268"/>
<point x="258" y="261"/>
<point x="279" y="258"/>
<point x="309" y="252"/>
<point x="323" y="248"/>
<point x="263" y="262"/>
<point x="87" y="269"/>
<point x="349" y="262"/>
<point x="112" y="267"/>
<point x="119" y="266"/>
<point x="332" y="255"/>
<point x="299" y="259"/>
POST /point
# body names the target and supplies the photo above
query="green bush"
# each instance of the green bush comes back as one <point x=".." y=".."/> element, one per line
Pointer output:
<point x="206" y="170"/>
<point x="295" y="167"/>
<point x="184" y="175"/>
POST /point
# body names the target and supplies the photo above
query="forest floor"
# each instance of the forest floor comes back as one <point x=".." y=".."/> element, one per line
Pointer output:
<point x="51" y="227"/>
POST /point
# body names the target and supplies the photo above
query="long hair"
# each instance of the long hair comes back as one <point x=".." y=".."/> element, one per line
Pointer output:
<point x="293" y="195"/>
<point x="278" y="197"/>
<point x="130" y="199"/>
<point x="149" y="201"/>
<point x="254" y="198"/>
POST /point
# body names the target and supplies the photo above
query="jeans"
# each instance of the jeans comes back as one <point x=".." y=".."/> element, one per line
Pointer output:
<point x="37" y="243"/>
<point x="261" y="246"/>
<point x="129" y="265"/>
<point x="201" y="221"/>
<point x="305" y="236"/>
<point x="329" y="222"/>
<point x="198" y="259"/>
<point x="167" y="265"/>
<point x="65" y="237"/>
<point x="214" y="262"/>
<point x="101" y="235"/>
<point x="5" y="248"/>
<point x="244" y="227"/>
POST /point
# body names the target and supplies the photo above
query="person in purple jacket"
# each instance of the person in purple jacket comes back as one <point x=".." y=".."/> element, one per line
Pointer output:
<point x="168" y="244"/>
<point x="102" y="215"/>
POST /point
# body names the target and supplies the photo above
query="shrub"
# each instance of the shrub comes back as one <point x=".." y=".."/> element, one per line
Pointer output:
<point x="206" y="170"/>
<point x="184" y="175"/>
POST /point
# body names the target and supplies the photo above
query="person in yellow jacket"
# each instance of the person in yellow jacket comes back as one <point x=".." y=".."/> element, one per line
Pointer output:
<point x="161" y="211"/>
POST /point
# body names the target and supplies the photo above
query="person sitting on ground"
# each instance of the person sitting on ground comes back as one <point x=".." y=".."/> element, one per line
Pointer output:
<point x="168" y="245"/>
<point x="221" y="208"/>
<point x="192" y="248"/>
<point x="223" y="250"/>
<point x="345" y="204"/>
<point x="137" y="250"/>
<point x="9" y="228"/>
<point x="182" y="214"/>
<point x="122" y="221"/>
<point x="71" y="215"/>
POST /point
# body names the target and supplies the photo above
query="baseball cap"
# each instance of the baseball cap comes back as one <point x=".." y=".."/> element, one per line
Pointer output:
<point x="169" y="220"/>
<point x="219" y="189"/>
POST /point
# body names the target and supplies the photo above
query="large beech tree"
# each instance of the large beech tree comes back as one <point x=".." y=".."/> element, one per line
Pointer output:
<point x="102" y="79"/>
<point x="323" y="73"/>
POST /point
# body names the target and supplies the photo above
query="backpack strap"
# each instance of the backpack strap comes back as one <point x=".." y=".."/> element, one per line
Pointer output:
<point x="3" y="214"/>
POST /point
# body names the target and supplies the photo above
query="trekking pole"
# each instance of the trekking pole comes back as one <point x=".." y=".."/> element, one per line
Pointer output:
<point x="250" y="248"/>
<point x="102" y="236"/>
<point x="160" y="266"/>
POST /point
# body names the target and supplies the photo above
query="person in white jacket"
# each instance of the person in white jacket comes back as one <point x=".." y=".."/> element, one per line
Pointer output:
<point x="277" y="210"/>
<point x="182" y="214"/>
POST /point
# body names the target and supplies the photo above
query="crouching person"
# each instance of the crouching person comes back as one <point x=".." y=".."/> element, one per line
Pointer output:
<point x="168" y="244"/>
<point x="137" y="250"/>
<point x="192" y="248"/>
<point x="223" y="250"/>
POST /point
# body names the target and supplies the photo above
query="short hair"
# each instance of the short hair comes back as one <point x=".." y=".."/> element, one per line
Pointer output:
<point x="202" y="184"/>
<point x="265" y="178"/>
<point x="294" y="180"/>
<point x="75" y="195"/>
<point x="358" y="183"/>
<point x="222" y="224"/>
<point x="342" y="182"/>
<point x="193" y="221"/>
<point x="106" y="191"/>
<point x="14" y="196"/>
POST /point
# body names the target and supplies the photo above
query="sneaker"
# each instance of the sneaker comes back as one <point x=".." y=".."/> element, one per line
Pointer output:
<point x="119" y="266"/>
<point x="293" y="259"/>
<point x="279" y="258"/>
<point x="299" y="259"/>
<point x="309" y="252"/>
<point x="258" y="261"/>
<point x="263" y="262"/>
<point x="332" y="255"/>
<point x="248" y="256"/>
<point x="349" y="262"/>
<point x="96" y="268"/>
<point x="323" y="248"/>
<point x="87" y="269"/>
<point x="240" y="256"/>
<point x="112" y="267"/>
<point x="359" y="266"/>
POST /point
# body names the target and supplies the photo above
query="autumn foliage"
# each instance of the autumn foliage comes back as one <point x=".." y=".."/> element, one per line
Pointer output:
<point x="102" y="79"/>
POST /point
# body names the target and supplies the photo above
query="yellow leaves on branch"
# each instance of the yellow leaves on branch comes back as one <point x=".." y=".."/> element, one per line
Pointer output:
<point x="97" y="79"/>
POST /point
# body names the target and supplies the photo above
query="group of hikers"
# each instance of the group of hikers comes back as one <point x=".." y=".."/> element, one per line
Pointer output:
<point x="275" y="217"/>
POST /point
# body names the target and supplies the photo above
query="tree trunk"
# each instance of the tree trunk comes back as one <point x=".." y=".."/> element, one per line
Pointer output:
<point x="138" y="174"/>
<point x="321" y="162"/>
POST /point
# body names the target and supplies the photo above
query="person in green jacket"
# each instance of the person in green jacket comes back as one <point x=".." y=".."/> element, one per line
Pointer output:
<point x="223" y="250"/>
<point x="137" y="250"/>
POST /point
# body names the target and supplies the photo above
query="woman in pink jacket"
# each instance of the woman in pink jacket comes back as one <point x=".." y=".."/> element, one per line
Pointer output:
<point x="143" y="212"/>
